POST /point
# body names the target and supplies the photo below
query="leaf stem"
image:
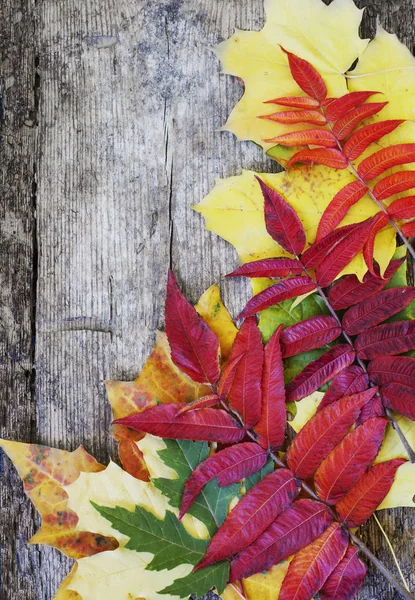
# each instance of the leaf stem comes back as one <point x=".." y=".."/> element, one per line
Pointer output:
<point x="398" y="566"/>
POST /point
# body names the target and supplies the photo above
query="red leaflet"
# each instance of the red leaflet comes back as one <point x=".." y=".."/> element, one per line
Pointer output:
<point x="386" y="340"/>
<point x="349" y="290"/>
<point x="295" y="102"/>
<point x="292" y="117"/>
<point x="229" y="465"/>
<point x="386" y="369"/>
<point x="408" y="229"/>
<point x="345" y="126"/>
<point x="310" y="568"/>
<point x="394" y="184"/>
<point x="321" y="370"/>
<point x="316" y="137"/>
<point x="346" y="579"/>
<point x="380" y="220"/>
<point x="364" y="498"/>
<point x="323" y="432"/>
<point x="269" y="267"/>
<point x="343" y="253"/>
<point x="376" y="309"/>
<point x="328" y="157"/>
<point x="339" y="206"/>
<point x="281" y="221"/>
<point x="374" y="408"/>
<point x="244" y="393"/>
<point x="251" y="516"/>
<point x="317" y="252"/>
<point x="339" y="107"/>
<point x="271" y="426"/>
<point x="228" y="375"/>
<point x="309" y="334"/>
<point x="205" y="402"/>
<point x="399" y="397"/>
<point x="404" y="208"/>
<point x="345" y="465"/>
<point x="384" y="159"/>
<point x="205" y="425"/>
<point x="296" y="286"/>
<point x="359" y="141"/>
<point x="194" y="347"/>
<point x="306" y="76"/>
<point x="350" y="381"/>
<point x="299" y="525"/>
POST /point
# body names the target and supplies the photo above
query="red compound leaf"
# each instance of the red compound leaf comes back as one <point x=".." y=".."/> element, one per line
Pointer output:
<point x="329" y="157"/>
<point x="311" y="567"/>
<point x="394" y="184"/>
<point x="345" y="465"/>
<point x="339" y="107"/>
<point x="387" y="369"/>
<point x="350" y="381"/>
<point x="323" y="432"/>
<point x="374" y="408"/>
<point x="380" y="220"/>
<point x="306" y="77"/>
<point x="345" y="126"/>
<point x="271" y="426"/>
<point x="309" y="334"/>
<point x="253" y="514"/>
<point x="315" y="137"/>
<point x="400" y="398"/>
<point x="229" y="465"/>
<point x="284" y="290"/>
<point x="295" y="102"/>
<point x="205" y="425"/>
<point x="204" y="402"/>
<point x="320" y="371"/>
<point x="376" y="309"/>
<point x="408" y="229"/>
<point x="228" y="375"/>
<point x="364" y="137"/>
<point x="339" y="206"/>
<point x="269" y="267"/>
<point x="299" y="525"/>
<point x="346" y="579"/>
<point x="292" y="117"/>
<point x="386" y="340"/>
<point x="281" y="221"/>
<point x="384" y="159"/>
<point x="194" y="346"/>
<point x="317" y="252"/>
<point x="364" y="498"/>
<point x="404" y="208"/>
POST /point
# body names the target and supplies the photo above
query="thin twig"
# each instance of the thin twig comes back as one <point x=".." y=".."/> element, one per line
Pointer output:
<point x="398" y="566"/>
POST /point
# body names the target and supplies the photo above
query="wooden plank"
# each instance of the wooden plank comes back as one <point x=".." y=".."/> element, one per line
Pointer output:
<point x="130" y="102"/>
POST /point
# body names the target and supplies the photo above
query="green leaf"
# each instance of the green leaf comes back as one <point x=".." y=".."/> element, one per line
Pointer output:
<point x="167" y="539"/>
<point x="253" y="479"/>
<point x="201" y="582"/>
<point x="183" y="456"/>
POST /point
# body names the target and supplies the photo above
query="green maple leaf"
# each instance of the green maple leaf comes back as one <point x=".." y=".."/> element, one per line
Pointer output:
<point x="183" y="456"/>
<point x="201" y="582"/>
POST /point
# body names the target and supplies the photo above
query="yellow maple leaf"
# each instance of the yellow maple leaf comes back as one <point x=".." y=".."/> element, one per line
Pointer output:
<point x="263" y="586"/>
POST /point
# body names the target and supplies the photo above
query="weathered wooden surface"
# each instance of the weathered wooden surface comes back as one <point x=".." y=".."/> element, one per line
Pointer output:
<point x="109" y="135"/>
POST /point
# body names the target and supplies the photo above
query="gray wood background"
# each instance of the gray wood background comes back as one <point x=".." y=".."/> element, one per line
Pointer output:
<point x="109" y="118"/>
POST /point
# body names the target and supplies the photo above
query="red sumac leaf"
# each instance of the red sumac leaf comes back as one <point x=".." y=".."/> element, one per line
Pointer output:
<point x="323" y="432"/>
<point x="386" y="340"/>
<point x="350" y="381"/>
<point x="295" y="102"/>
<point x="343" y="253"/>
<point x="283" y="290"/>
<point x="306" y="76"/>
<point x="317" y="252"/>
<point x="404" y="208"/>
<point x="329" y="157"/>
<point x="348" y="290"/>
<point x="364" y="498"/>
<point x="346" y="124"/>
<point x="408" y="229"/>
<point x="344" y="466"/>
<point x="376" y="309"/>
<point x="204" y="402"/>
<point x="380" y="220"/>
<point x="228" y="375"/>
<point x="292" y="117"/>
<point x="400" y="369"/>
<point x="194" y="347"/>
<point x="373" y="408"/>
<point x="205" y="425"/>
<point x="394" y="184"/>
<point x="306" y="335"/>
<point x="400" y="398"/>
<point x="269" y="267"/>
<point x="244" y="393"/>
<point x="346" y="579"/>
<point x="359" y="141"/>
<point x="281" y="221"/>
<point x="299" y="525"/>
<point x="339" y="206"/>
<point x="320" y="371"/>
<point x="315" y="137"/>
<point x="252" y="515"/>
<point x="310" y="567"/>
<point x="382" y="160"/>
<point x="271" y="426"/>
<point x="339" y="107"/>
<point x="229" y="466"/>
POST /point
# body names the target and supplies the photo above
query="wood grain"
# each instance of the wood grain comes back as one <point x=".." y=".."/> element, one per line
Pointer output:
<point x="109" y="135"/>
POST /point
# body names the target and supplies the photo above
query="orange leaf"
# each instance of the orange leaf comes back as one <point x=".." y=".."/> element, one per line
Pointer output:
<point x="328" y="157"/>
<point x="292" y="117"/>
<point x="315" y="137"/>
<point x="384" y="159"/>
<point x="394" y="184"/>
